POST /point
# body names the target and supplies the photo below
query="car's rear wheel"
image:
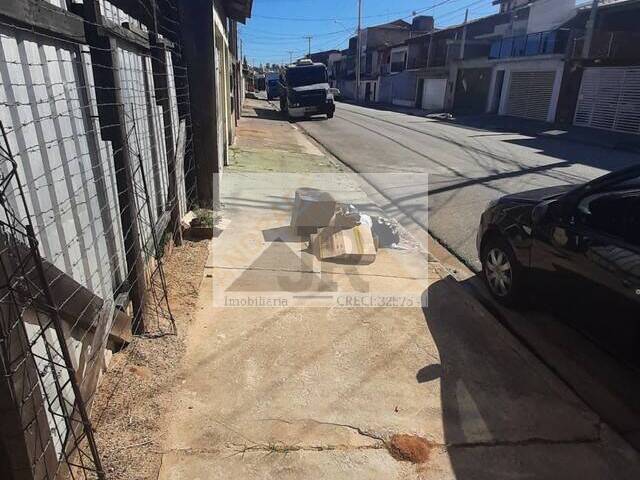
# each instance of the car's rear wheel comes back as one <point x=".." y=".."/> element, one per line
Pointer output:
<point x="502" y="272"/>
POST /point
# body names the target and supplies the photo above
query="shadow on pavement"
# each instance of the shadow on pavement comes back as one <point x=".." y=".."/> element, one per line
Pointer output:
<point x="505" y="416"/>
<point x="595" y="353"/>
<point x="269" y="114"/>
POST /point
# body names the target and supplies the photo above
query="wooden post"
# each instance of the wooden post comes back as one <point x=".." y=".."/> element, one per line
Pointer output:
<point x="196" y="19"/>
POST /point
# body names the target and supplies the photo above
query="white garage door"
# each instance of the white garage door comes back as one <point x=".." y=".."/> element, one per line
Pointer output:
<point x="530" y="94"/>
<point x="434" y="93"/>
<point x="610" y="99"/>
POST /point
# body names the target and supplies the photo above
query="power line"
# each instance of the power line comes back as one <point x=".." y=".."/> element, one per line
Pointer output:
<point x="327" y="19"/>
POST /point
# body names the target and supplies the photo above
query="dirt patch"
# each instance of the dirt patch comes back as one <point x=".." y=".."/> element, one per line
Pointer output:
<point x="410" y="448"/>
<point x="134" y="394"/>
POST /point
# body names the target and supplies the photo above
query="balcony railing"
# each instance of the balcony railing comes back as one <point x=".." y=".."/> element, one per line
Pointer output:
<point x="543" y="43"/>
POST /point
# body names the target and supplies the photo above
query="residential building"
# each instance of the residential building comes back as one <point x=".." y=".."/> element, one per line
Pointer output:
<point x="388" y="58"/>
<point x="424" y="82"/>
<point x="463" y="68"/>
<point x="213" y="84"/>
<point x="373" y="41"/>
<point x="117" y="113"/>
<point x="527" y="59"/>
<point x="323" y="57"/>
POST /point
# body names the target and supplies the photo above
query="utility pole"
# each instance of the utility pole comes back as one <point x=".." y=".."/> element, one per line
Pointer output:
<point x="309" y="37"/>
<point x="591" y="25"/>
<point x="359" y="51"/>
<point x="464" y="34"/>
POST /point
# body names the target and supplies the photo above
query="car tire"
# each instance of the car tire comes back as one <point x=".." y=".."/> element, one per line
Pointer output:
<point x="502" y="273"/>
<point x="330" y="115"/>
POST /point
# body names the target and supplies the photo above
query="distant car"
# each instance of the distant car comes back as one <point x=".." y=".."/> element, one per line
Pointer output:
<point x="335" y="92"/>
<point x="272" y="85"/>
<point x="273" y="89"/>
<point x="580" y="243"/>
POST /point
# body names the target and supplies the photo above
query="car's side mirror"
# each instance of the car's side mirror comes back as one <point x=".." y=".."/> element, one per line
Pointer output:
<point x="539" y="213"/>
<point x="554" y="210"/>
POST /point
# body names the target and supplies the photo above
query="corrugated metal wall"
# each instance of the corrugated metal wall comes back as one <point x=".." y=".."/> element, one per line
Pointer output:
<point x="49" y="108"/>
<point x="146" y="126"/>
<point x="113" y="13"/>
<point x="49" y="111"/>
<point x="66" y="170"/>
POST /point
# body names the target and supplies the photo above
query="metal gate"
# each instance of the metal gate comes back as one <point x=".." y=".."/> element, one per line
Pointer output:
<point x="610" y="99"/>
<point x="435" y="90"/>
<point x="530" y="94"/>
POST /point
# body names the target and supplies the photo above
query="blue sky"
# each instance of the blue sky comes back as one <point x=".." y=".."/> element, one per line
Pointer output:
<point x="279" y="26"/>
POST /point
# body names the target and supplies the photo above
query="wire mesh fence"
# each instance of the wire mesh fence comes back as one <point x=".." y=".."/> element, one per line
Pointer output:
<point x="96" y="165"/>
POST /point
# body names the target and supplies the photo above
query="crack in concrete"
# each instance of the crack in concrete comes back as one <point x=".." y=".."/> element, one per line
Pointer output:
<point x="358" y="430"/>
<point x="284" y="448"/>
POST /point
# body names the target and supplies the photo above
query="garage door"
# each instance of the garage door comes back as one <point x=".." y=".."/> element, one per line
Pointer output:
<point x="530" y="94"/>
<point x="434" y="93"/>
<point x="610" y="99"/>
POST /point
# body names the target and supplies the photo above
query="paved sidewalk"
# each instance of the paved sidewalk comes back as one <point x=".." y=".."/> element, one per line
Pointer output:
<point x="319" y="392"/>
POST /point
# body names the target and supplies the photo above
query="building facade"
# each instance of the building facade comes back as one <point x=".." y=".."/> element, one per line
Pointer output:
<point x="529" y="60"/>
<point x="103" y="148"/>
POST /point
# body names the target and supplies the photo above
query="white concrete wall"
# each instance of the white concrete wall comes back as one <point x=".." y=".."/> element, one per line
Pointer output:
<point x="549" y="14"/>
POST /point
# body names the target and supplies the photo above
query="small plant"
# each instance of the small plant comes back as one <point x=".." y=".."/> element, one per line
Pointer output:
<point x="204" y="218"/>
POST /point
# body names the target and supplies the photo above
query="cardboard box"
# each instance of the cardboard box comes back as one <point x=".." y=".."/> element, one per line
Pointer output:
<point x="351" y="245"/>
<point x="312" y="209"/>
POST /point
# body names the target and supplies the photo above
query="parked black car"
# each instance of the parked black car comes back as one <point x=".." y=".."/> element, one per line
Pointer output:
<point x="582" y="243"/>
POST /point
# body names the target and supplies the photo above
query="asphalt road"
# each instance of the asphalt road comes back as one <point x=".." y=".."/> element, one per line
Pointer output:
<point x="445" y="174"/>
